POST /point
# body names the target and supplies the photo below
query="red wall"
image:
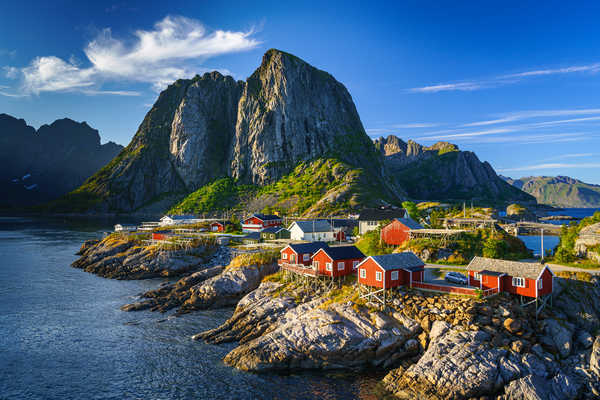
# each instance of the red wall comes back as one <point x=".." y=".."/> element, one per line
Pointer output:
<point x="490" y="282"/>
<point x="371" y="267"/>
<point x="256" y="221"/>
<point x="340" y="236"/>
<point x="299" y="258"/>
<point x="528" y="290"/>
<point x="487" y="281"/>
<point x="159" y="236"/>
<point x="547" y="283"/>
<point x="395" y="233"/>
<point x="322" y="258"/>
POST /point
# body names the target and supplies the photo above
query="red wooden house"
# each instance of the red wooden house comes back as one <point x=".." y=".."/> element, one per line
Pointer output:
<point x="219" y="226"/>
<point x="337" y="261"/>
<point x="258" y="222"/>
<point x="161" y="235"/>
<point x="391" y="270"/>
<point x="520" y="278"/>
<point x="397" y="232"/>
<point x="300" y="253"/>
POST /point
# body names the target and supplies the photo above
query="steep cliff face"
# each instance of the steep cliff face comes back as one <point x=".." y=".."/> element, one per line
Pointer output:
<point x="443" y="172"/>
<point x="255" y="132"/>
<point x="289" y="112"/>
<point x="561" y="191"/>
<point x="54" y="159"/>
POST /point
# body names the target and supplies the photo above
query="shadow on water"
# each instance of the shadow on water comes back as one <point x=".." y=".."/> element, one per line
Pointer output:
<point x="63" y="336"/>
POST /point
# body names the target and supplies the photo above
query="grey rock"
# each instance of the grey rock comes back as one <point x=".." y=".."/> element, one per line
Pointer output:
<point x="561" y="334"/>
<point x="595" y="357"/>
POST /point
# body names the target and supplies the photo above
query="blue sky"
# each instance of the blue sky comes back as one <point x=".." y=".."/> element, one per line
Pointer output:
<point x="518" y="85"/>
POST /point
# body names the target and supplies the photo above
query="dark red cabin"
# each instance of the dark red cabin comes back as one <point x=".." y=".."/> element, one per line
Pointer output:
<point x="391" y="270"/>
<point x="300" y="253"/>
<point x="397" y="232"/>
<point x="337" y="261"/>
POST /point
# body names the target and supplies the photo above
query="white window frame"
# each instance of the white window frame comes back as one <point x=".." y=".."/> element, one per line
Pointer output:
<point x="518" y="281"/>
<point x="305" y="257"/>
<point x="540" y="283"/>
<point x="363" y="273"/>
<point x="477" y="276"/>
<point x="394" y="275"/>
<point x="355" y="264"/>
<point x="378" y="276"/>
<point x="341" y="265"/>
<point x="284" y="256"/>
<point x="328" y="267"/>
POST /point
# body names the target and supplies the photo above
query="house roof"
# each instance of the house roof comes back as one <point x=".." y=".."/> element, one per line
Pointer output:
<point x="380" y="214"/>
<point x="343" y="252"/>
<point x="491" y="273"/>
<point x="265" y="217"/>
<point x="312" y="247"/>
<point x="273" y="229"/>
<point x="406" y="260"/>
<point x="409" y="223"/>
<point x="513" y="268"/>
<point x="314" y="226"/>
<point x="252" y="235"/>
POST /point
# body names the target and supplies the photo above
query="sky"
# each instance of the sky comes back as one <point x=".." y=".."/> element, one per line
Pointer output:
<point x="518" y="84"/>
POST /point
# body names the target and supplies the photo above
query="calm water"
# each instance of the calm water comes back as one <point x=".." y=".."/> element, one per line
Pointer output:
<point x="62" y="335"/>
<point x="550" y="242"/>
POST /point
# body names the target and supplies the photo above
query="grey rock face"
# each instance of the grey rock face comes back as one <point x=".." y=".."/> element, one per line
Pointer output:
<point x="533" y="387"/>
<point x="561" y="334"/>
<point x="203" y="128"/>
<point x="595" y="357"/>
<point x="309" y="337"/>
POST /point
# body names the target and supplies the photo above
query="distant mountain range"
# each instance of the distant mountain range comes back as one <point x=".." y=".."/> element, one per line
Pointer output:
<point x="287" y="139"/>
<point x="560" y="191"/>
<point x="38" y="166"/>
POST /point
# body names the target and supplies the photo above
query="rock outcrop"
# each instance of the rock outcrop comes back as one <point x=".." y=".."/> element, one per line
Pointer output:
<point x="120" y="258"/>
<point x="39" y="165"/>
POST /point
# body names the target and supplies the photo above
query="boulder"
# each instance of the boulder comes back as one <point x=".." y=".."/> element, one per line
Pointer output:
<point x="533" y="387"/>
<point x="512" y="325"/>
<point x="561" y="334"/>
<point x="584" y="339"/>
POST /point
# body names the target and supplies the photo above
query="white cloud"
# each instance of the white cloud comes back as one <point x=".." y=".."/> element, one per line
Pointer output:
<point x="173" y="49"/>
<point x="501" y="80"/>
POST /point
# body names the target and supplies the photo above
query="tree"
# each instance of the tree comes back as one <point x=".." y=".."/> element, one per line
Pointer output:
<point x="413" y="210"/>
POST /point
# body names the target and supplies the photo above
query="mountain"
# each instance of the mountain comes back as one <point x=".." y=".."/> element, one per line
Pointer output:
<point x="41" y="165"/>
<point x="255" y="132"/>
<point x="443" y="172"/>
<point x="288" y="138"/>
<point x="560" y="191"/>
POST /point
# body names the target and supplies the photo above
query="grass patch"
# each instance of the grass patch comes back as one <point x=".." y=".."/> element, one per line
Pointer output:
<point x="262" y="258"/>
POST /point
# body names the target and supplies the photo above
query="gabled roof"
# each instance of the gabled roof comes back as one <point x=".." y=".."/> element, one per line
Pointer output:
<point x="409" y="223"/>
<point x="314" y="226"/>
<point x="406" y="260"/>
<point x="343" y="252"/>
<point x="264" y="217"/>
<point x="513" y="268"/>
<point x="301" y="248"/>
<point x="380" y="214"/>
<point x="273" y="229"/>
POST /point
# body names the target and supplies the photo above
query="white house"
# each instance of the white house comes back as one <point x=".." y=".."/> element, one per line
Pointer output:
<point x="315" y="230"/>
<point x="370" y="218"/>
<point x="168" y="220"/>
<point x="125" y="228"/>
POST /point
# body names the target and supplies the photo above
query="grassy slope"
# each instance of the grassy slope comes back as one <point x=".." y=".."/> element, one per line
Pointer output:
<point x="321" y="186"/>
<point x="563" y="194"/>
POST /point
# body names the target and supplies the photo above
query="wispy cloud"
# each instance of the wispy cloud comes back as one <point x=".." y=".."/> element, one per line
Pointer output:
<point x="173" y="49"/>
<point x="550" y="166"/>
<point x="502" y="80"/>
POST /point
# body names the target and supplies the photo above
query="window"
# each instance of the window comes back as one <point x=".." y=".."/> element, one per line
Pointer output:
<point x="341" y="266"/>
<point x="394" y="275"/>
<point x="518" y="282"/>
<point x="328" y="266"/>
<point x="284" y="256"/>
<point x="540" y="284"/>
<point x="305" y="257"/>
<point x="363" y="273"/>
<point x="354" y="264"/>
<point x="477" y="276"/>
<point x="378" y="276"/>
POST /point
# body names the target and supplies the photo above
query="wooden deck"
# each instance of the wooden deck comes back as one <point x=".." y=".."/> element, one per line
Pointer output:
<point x="300" y="269"/>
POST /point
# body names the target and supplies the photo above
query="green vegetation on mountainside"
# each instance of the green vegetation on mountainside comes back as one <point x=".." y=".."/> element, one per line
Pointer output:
<point x="321" y="186"/>
<point x="559" y="191"/>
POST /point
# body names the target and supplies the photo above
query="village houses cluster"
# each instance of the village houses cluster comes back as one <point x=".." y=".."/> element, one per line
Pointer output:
<point x="319" y="249"/>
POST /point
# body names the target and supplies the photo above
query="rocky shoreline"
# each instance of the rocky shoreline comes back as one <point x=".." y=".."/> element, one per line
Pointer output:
<point x="432" y="346"/>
